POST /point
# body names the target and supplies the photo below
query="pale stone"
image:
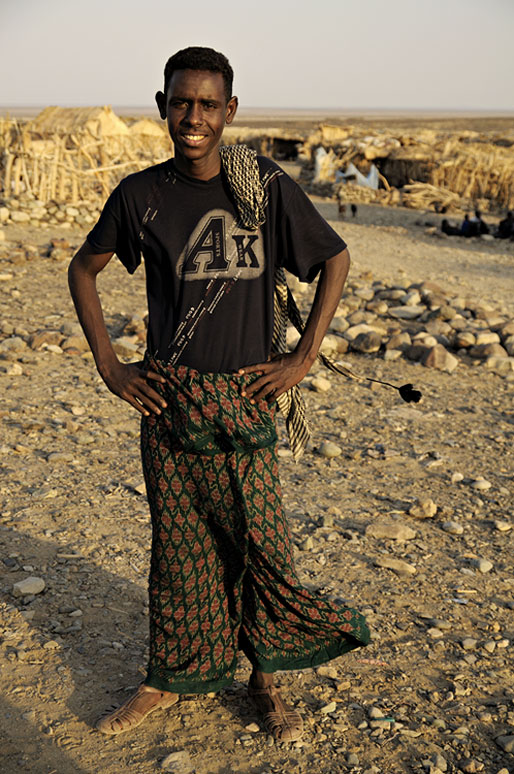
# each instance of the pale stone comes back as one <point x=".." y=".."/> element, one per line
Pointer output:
<point x="392" y="354"/>
<point x="406" y="312"/>
<point x="11" y="369"/>
<point x="487" y="337"/>
<point x="19" y="216"/>
<point x="125" y="347"/>
<point x="333" y="343"/>
<point x="292" y="337"/>
<point x="397" y="565"/>
<point x="453" y="527"/>
<point x="328" y="708"/>
<point x="464" y="340"/>
<point x="339" y="324"/>
<point x="423" y="509"/>
<point x="481" y="484"/>
<point x="482" y="565"/>
<point x="329" y="449"/>
<point x="31" y="585"/>
<point x="502" y="526"/>
<point x="500" y="365"/>
<point x="392" y="531"/>
<point x="320" y="384"/>
<point x="484" y="351"/>
<point x="178" y="763"/>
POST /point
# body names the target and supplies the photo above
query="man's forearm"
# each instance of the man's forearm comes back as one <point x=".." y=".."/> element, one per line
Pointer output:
<point x="89" y="311"/>
<point x="328" y="294"/>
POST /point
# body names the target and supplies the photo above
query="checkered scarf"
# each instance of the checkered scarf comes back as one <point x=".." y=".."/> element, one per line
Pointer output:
<point x="242" y="171"/>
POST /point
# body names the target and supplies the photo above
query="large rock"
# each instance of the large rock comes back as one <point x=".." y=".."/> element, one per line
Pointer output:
<point x="12" y="344"/>
<point x="500" y="365"/>
<point x="423" y="509"/>
<point x="355" y="330"/>
<point x="367" y="342"/>
<point x="78" y="343"/>
<point x="464" y="340"/>
<point x="483" y="351"/>
<point x="321" y="384"/>
<point x="399" y="341"/>
<point x="333" y="343"/>
<point x="125" y="347"/>
<point x="487" y="337"/>
<point x="390" y="531"/>
<point x="439" y="357"/>
<point x="19" y="216"/>
<point x="397" y="565"/>
<point x="39" y="339"/>
<point x="31" y="585"/>
<point x="406" y="312"/>
<point x="329" y="449"/>
<point x="506" y="742"/>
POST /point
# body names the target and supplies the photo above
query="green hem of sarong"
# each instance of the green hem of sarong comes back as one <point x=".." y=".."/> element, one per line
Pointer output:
<point x="312" y="659"/>
<point x="187" y="686"/>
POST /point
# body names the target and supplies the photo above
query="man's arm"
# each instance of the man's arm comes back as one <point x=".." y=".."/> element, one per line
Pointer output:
<point x="127" y="380"/>
<point x="281" y="372"/>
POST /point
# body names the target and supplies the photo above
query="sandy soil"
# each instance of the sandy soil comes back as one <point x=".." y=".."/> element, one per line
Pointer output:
<point x="72" y="514"/>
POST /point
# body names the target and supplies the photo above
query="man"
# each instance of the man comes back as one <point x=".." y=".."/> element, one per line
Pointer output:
<point x="222" y="576"/>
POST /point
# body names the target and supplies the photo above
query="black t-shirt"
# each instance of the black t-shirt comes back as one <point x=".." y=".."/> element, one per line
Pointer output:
<point x="210" y="281"/>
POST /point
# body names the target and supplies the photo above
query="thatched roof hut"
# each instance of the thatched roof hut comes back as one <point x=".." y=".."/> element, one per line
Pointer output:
<point x="99" y="122"/>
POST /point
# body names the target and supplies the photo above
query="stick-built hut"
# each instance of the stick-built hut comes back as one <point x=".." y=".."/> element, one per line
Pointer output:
<point x="426" y="168"/>
<point x="71" y="154"/>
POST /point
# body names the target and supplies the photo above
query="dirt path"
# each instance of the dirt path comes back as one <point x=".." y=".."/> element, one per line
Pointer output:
<point x="437" y="679"/>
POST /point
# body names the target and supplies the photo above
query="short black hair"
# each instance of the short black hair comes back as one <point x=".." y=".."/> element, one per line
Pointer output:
<point x="200" y="58"/>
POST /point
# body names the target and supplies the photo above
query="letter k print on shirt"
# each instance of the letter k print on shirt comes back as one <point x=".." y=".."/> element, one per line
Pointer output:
<point x="218" y="246"/>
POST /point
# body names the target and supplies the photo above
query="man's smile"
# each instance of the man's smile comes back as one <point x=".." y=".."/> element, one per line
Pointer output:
<point x="193" y="138"/>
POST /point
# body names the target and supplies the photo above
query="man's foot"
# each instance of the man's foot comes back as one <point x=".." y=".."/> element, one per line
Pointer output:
<point x="282" y="722"/>
<point x="133" y="711"/>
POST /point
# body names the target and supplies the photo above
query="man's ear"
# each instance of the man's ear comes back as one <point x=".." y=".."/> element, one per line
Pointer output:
<point x="231" y="110"/>
<point x="160" y="98"/>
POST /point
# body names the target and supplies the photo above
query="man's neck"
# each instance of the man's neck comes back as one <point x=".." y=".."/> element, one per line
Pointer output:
<point x="201" y="169"/>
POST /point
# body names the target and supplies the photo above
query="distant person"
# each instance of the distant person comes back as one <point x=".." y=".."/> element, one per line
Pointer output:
<point x="342" y="209"/>
<point x="447" y="228"/>
<point x="478" y="226"/>
<point x="353" y="208"/>
<point x="466" y="228"/>
<point x="506" y="227"/>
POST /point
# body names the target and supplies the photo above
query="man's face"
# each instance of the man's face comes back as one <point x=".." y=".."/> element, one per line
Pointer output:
<point x="196" y="111"/>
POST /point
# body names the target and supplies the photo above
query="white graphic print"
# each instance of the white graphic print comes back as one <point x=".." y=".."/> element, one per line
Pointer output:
<point x="218" y="247"/>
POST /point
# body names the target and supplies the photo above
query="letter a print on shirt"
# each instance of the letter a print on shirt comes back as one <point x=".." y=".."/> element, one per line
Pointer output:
<point x="218" y="247"/>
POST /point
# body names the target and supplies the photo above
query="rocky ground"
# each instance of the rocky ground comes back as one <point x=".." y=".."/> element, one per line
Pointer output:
<point x="401" y="510"/>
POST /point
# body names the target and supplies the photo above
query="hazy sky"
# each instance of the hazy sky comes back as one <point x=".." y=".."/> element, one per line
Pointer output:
<point x="452" y="54"/>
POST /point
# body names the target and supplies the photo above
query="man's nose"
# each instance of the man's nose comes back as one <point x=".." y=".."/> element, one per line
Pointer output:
<point x="194" y="115"/>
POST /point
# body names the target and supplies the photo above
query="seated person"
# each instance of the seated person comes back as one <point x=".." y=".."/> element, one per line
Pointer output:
<point x="447" y="228"/>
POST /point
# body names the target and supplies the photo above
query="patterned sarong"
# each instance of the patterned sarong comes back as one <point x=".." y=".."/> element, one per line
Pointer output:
<point x="222" y="577"/>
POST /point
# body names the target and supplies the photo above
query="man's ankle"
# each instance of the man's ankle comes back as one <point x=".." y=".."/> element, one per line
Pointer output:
<point x="261" y="679"/>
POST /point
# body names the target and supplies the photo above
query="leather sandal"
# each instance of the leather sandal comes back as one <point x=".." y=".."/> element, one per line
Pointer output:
<point x="133" y="711"/>
<point x="284" y="724"/>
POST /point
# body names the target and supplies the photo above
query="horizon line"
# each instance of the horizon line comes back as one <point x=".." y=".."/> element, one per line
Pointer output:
<point x="242" y="109"/>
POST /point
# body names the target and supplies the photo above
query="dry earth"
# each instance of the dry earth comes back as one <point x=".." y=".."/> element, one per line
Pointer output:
<point x="439" y="668"/>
